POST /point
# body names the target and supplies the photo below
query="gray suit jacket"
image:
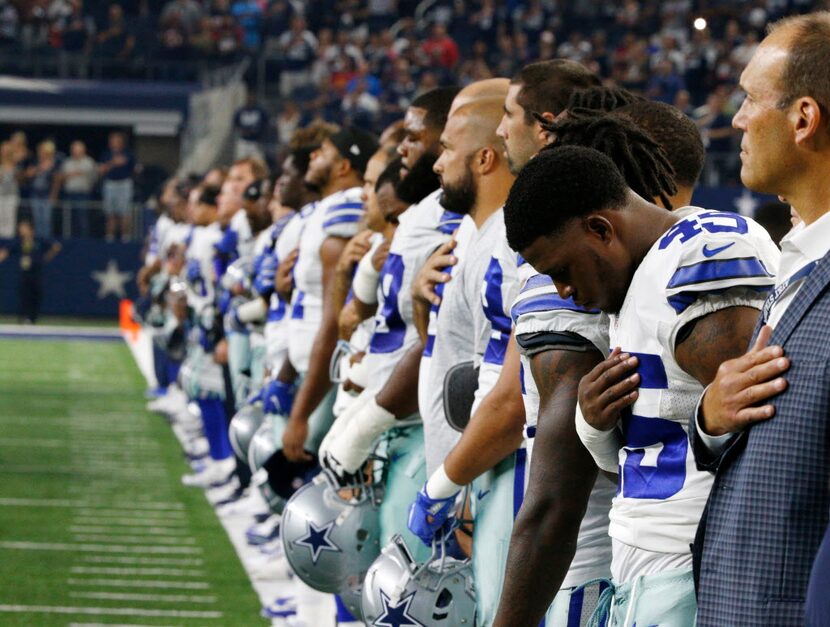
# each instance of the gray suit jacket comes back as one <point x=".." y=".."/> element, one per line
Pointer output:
<point x="768" y="508"/>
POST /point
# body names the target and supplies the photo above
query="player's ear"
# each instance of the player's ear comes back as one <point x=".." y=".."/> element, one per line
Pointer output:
<point x="599" y="228"/>
<point x="544" y="136"/>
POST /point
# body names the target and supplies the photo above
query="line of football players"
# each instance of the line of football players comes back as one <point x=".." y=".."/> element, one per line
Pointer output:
<point x="388" y="349"/>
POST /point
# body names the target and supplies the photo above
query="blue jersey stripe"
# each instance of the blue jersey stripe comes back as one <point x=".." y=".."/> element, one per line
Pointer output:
<point x="683" y="300"/>
<point x="537" y="281"/>
<point x="344" y="205"/>
<point x="546" y="302"/>
<point x="341" y="219"/>
<point x="651" y="370"/>
<point x="718" y="270"/>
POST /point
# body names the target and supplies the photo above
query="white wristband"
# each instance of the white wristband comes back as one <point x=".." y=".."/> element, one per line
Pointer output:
<point x="365" y="281"/>
<point x="252" y="311"/>
<point x="604" y="446"/>
<point x="440" y="486"/>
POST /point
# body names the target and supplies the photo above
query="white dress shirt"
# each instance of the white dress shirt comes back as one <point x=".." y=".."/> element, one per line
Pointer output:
<point x="801" y="246"/>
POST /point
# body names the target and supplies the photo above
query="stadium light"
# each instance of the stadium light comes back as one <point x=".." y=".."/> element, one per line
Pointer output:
<point x="700" y="23"/>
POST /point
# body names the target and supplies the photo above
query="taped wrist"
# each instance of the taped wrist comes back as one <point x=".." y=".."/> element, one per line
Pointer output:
<point x="604" y="446"/>
<point x="440" y="486"/>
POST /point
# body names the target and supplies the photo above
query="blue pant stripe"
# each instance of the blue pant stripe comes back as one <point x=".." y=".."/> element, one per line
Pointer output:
<point x="575" y="607"/>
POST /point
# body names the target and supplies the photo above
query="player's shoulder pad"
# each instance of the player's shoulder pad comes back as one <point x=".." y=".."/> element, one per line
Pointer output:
<point x="714" y="251"/>
<point x="343" y="212"/>
<point x="540" y="309"/>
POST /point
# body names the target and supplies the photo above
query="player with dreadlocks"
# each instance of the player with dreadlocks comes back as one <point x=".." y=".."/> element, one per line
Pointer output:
<point x="545" y="530"/>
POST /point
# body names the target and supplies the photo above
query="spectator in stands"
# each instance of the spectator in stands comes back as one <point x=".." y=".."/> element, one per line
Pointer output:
<point x="20" y="150"/>
<point x="298" y="47"/>
<point x="9" y="191"/>
<point x="77" y="32"/>
<point x="248" y="14"/>
<point x="665" y="83"/>
<point x="250" y="125"/>
<point x="77" y="177"/>
<point x="41" y="179"/>
<point x="115" y="44"/>
<point x="117" y="169"/>
<point x="9" y="22"/>
<point x="718" y="135"/>
<point x="188" y="12"/>
<point x="33" y="253"/>
<point x="441" y="49"/>
<point x="288" y="120"/>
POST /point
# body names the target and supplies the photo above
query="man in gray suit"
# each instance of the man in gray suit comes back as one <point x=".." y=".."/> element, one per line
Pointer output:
<point x="765" y="437"/>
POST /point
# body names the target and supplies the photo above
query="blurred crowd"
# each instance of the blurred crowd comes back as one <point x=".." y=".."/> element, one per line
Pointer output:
<point x="43" y="185"/>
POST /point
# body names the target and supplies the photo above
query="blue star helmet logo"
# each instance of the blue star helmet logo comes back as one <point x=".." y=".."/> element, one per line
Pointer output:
<point x="396" y="615"/>
<point x="317" y="540"/>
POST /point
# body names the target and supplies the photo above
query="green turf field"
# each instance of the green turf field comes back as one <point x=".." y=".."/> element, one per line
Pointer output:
<point x="95" y="526"/>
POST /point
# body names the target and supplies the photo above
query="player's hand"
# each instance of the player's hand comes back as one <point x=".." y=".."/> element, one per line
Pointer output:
<point x="278" y="397"/>
<point x="731" y="402"/>
<point x="293" y="440"/>
<point x="285" y="278"/>
<point x="354" y="251"/>
<point x="427" y="515"/>
<point x="608" y="389"/>
<point x="434" y="273"/>
<point x="379" y="258"/>
<point x="347" y="321"/>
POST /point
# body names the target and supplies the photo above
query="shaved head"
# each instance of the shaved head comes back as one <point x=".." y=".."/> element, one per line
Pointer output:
<point x="480" y="119"/>
<point x="489" y="88"/>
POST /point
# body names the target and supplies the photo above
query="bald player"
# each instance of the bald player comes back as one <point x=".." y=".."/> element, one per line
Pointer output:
<point x="475" y="179"/>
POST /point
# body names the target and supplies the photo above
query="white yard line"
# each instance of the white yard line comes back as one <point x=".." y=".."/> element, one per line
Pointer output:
<point x="150" y="522"/>
<point x="107" y="611"/>
<point x="99" y="537"/>
<point x="109" y="570"/>
<point x="135" y="596"/>
<point x="161" y="561"/>
<point x="96" y="548"/>
<point x="133" y="583"/>
<point x="131" y="531"/>
<point x="90" y="506"/>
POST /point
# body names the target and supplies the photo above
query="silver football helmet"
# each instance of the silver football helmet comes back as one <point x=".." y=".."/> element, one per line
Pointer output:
<point x="331" y="535"/>
<point x="262" y="446"/>
<point x="243" y="427"/>
<point x="400" y="591"/>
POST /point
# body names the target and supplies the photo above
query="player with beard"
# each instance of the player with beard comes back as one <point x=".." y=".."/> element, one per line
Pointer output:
<point x="476" y="179"/>
<point x="424" y="226"/>
<point x="336" y="168"/>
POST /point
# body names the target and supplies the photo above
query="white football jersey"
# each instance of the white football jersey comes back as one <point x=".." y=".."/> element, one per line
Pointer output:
<point x="422" y="228"/>
<point x="706" y="262"/>
<point x="157" y="235"/>
<point x="449" y="327"/>
<point x="199" y="268"/>
<point x="276" y="324"/>
<point x="242" y="227"/>
<point x="336" y="215"/>
<point x="175" y="235"/>
<point x="490" y="292"/>
<point x="544" y="321"/>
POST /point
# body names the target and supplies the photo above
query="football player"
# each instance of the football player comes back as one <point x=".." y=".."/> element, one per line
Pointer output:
<point x="682" y="291"/>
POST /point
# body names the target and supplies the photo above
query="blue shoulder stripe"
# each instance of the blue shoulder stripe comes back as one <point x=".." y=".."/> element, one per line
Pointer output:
<point x="344" y="206"/>
<point x="681" y="301"/>
<point x="349" y="217"/>
<point x="537" y="281"/>
<point x="546" y="302"/>
<point x="718" y="270"/>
